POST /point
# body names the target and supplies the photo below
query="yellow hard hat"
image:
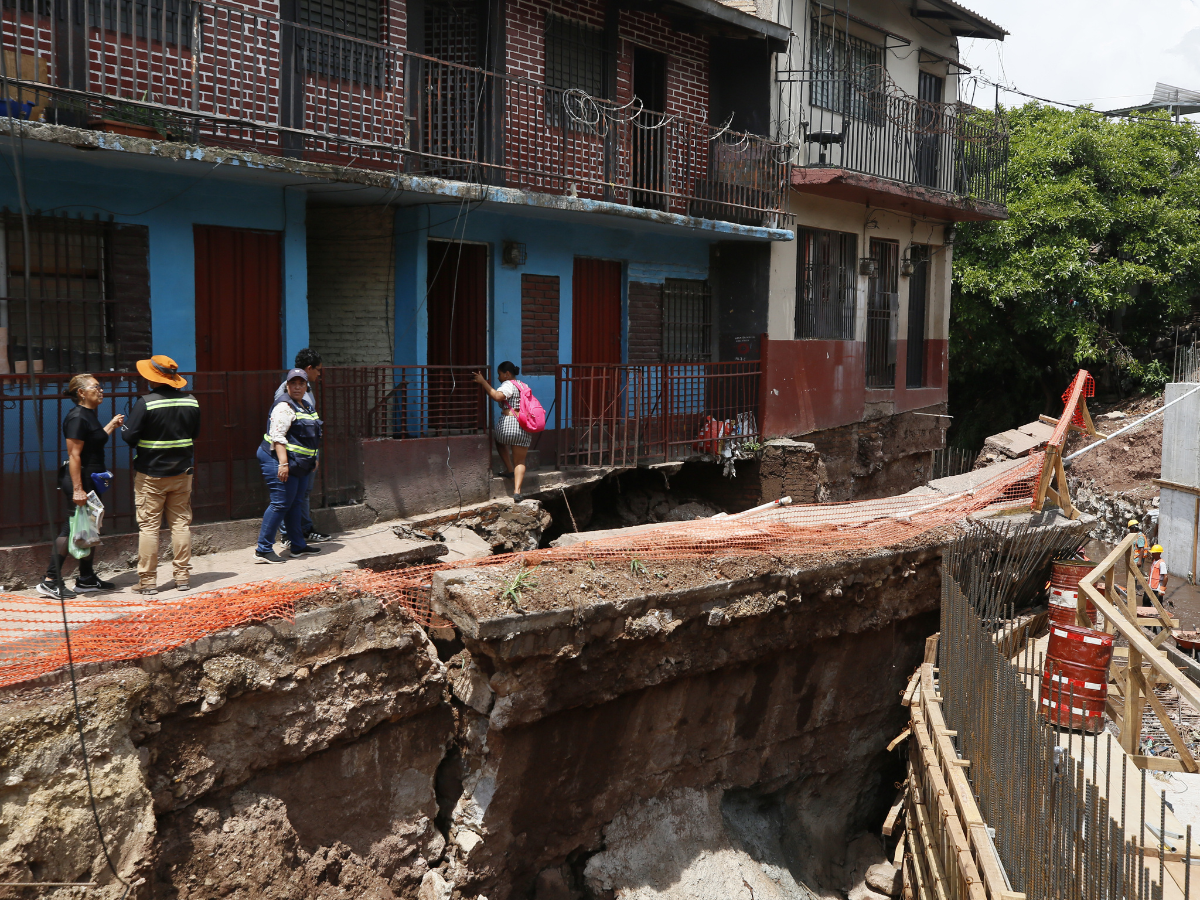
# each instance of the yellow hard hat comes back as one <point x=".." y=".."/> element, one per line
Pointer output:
<point x="1157" y="548"/>
<point x="1133" y="522"/>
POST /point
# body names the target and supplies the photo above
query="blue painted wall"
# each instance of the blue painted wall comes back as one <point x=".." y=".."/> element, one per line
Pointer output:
<point x="551" y="247"/>
<point x="170" y="204"/>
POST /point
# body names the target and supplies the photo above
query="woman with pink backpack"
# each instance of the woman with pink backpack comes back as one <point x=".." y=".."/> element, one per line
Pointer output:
<point x="521" y="416"/>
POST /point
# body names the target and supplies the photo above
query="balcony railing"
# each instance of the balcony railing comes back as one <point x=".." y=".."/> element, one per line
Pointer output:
<point x="944" y="147"/>
<point x="223" y="75"/>
<point x="618" y="415"/>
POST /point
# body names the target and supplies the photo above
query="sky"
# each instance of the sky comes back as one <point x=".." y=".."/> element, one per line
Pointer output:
<point x="1105" y="52"/>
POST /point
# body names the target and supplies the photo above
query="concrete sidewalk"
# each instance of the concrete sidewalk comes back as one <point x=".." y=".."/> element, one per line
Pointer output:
<point x="373" y="546"/>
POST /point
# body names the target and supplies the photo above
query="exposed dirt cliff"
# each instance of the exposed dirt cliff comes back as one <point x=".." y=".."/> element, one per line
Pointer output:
<point x="644" y="745"/>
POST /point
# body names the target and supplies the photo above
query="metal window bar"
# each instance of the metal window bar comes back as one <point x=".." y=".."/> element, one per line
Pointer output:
<point x="826" y="285"/>
<point x="576" y="59"/>
<point x="687" y="321"/>
<point x="883" y="310"/>
<point x="73" y="328"/>
<point x="845" y="71"/>
<point x="355" y="18"/>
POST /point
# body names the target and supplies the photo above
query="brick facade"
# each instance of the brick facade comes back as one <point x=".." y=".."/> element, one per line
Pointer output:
<point x="687" y="55"/>
<point x="645" y="323"/>
<point x="351" y="295"/>
<point x="539" y="324"/>
<point x="128" y="261"/>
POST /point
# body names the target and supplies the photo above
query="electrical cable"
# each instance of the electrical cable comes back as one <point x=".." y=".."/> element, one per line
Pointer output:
<point x="19" y="173"/>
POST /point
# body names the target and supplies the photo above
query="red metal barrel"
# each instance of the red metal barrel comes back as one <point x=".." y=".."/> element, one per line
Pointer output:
<point x="1064" y="590"/>
<point x="1075" y="677"/>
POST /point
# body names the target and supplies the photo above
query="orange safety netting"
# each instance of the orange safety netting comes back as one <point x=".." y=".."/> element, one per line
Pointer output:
<point x="106" y="630"/>
<point x="1082" y="386"/>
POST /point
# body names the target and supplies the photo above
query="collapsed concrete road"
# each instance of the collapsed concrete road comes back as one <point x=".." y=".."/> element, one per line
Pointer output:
<point x="608" y="727"/>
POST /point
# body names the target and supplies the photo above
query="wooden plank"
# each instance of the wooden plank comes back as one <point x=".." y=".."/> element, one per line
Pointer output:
<point x="1064" y="490"/>
<point x="889" y="824"/>
<point x="898" y="738"/>
<point x="1044" y="479"/>
<point x="1157" y="763"/>
<point x="931" y="647"/>
<point x="1089" y="426"/>
<point x="1185" y="756"/>
<point x="1176" y="486"/>
<point x="909" y="692"/>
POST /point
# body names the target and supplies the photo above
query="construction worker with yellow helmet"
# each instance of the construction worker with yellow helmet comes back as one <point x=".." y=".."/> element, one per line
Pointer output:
<point x="1158" y="578"/>
<point x="1139" y="544"/>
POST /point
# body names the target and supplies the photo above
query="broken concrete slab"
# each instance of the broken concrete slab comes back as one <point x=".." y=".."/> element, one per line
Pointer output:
<point x="1012" y="443"/>
<point x="1039" y="430"/>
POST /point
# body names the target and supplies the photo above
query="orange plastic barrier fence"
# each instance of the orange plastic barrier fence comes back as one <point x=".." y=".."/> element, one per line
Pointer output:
<point x="125" y="628"/>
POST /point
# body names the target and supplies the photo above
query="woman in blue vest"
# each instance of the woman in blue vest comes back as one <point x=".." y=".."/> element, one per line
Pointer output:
<point x="288" y="456"/>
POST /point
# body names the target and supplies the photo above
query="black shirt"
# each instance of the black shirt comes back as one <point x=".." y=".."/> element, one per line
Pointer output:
<point x="82" y="424"/>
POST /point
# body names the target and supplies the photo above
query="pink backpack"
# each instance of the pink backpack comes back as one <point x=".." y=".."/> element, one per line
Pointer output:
<point x="530" y="416"/>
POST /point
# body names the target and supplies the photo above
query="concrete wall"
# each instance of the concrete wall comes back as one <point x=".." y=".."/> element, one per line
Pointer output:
<point x="1181" y="465"/>
<point x="1181" y="436"/>
<point x="403" y="478"/>
<point x="169" y="205"/>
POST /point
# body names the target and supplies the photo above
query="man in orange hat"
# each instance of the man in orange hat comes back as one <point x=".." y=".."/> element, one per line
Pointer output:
<point x="163" y="428"/>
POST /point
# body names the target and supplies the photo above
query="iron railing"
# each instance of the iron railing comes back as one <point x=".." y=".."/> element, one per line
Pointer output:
<point x="355" y="403"/>
<point x="224" y="75"/>
<point x="941" y="146"/>
<point x="618" y="415"/>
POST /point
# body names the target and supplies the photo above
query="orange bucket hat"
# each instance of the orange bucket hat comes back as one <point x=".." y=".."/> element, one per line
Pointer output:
<point x="161" y="369"/>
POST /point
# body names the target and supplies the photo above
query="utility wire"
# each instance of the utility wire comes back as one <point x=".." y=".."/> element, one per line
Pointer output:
<point x="19" y="172"/>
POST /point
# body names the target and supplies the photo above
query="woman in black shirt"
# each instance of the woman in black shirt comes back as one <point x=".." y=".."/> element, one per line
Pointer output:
<point x="86" y="439"/>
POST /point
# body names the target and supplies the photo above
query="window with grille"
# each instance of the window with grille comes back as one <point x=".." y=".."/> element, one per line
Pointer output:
<point x="335" y="56"/>
<point x="687" y="321"/>
<point x="354" y="18"/>
<point x="73" y="324"/>
<point x="169" y="21"/>
<point x="576" y="60"/>
<point x="826" y="285"/>
<point x="883" y="310"/>
<point x="847" y="72"/>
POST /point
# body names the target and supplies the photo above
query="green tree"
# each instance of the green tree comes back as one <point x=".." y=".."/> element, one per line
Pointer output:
<point x="1096" y="264"/>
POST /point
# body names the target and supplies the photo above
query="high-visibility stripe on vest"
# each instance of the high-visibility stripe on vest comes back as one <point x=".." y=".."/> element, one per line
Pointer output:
<point x="303" y="437"/>
<point x="165" y="445"/>
<point x="176" y="401"/>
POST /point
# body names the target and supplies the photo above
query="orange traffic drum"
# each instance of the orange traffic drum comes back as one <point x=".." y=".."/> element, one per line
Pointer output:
<point x="1064" y="590"/>
<point x="1081" y="646"/>
<point x="1074" y="684"/>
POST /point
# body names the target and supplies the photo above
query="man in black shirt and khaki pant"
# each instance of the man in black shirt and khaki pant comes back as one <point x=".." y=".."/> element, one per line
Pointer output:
<point x="163" y="427"/>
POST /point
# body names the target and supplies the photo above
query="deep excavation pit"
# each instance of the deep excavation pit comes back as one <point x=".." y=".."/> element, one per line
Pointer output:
<point x="707" y="729"/>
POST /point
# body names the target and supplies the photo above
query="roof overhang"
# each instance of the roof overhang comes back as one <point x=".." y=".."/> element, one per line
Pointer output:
<point x="882" y="193"/>
<point x="960" y="20"/>
<point x="715" y="18"/>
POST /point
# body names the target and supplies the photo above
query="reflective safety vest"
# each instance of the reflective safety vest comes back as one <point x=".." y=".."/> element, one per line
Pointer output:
<point x="303" y="438"/>
<point x="162" y="428"/>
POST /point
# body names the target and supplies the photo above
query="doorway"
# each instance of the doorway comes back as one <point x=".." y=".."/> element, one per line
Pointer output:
<point x="648" y="143"/>
<point x="239" y="294"/>
<point x="457" y="282"/>
<point x="596" y="311"/>
<point x="882" y="311"/>
<point x="930" y="90"/>
<point x="918" y="301"/>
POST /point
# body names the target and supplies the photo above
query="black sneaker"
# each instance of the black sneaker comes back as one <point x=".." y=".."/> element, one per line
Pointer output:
<point x="95" y="583"/>
<point x="269" y="556"/>
<point x="315" y="537"/>
<point x="300" y="551"/>
<point x="518" y="498"/>
<point x="57" y="591"/>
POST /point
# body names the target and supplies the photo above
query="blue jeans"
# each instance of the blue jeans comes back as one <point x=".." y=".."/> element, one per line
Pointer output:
<point x="306" y="522"/>
<point x="284" y="508"/>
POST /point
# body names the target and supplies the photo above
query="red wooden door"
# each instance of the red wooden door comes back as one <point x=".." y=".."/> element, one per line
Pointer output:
<point x="596" y="311"/>
<point x="239" y="291"/>
<point x="457" y="282"/>
<point x="596" y="343"/>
